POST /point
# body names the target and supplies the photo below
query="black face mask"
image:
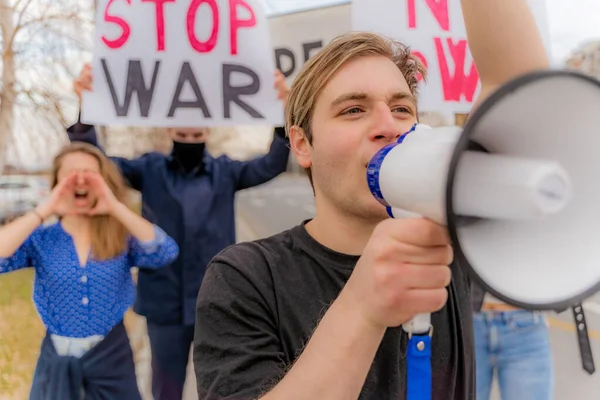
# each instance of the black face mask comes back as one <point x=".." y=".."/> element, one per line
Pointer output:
<point x="189" y="155"/>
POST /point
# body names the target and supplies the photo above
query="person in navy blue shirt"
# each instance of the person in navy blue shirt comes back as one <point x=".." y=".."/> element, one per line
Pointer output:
<point x="83" y="283"/>
<point x="190" y="195"/>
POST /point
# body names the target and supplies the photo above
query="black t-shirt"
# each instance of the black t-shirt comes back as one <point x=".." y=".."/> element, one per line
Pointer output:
<point x="260" y="302"/>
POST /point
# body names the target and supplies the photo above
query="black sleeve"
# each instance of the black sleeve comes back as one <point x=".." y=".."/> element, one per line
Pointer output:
<point x="80" y="132"/>
<point x="237" y="354"/>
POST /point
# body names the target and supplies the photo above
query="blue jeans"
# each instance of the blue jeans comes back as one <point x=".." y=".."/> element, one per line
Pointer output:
<point x="515" y="345"/>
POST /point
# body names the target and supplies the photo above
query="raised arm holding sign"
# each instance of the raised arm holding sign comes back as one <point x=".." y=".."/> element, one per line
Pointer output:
<point x="200" y="62"/>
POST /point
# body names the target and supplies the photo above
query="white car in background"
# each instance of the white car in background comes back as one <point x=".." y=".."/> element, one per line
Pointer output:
<point x="19" y="194"/>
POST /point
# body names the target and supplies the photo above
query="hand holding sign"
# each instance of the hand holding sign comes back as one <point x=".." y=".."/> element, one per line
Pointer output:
<point x="205" y="65"/>
<point x="283" y="91"/>
<point x="83" y="81"/>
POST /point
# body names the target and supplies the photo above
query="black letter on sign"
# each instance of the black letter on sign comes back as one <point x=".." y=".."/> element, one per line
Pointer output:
<point x="135" y="83"/>
<point x="232" y="94"/>
<point x="187" y="75"/>
<point x="311" y="46"/>
<point x="285" y="53"/>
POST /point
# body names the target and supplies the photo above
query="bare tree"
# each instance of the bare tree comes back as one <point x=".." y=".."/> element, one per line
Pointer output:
<point x="586" y="59"/>
<point x="42" y="43"/>
<point x="8" y="92"/>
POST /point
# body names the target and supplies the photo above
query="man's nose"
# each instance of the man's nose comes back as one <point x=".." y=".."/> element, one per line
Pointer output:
<point x="385" y="127"/>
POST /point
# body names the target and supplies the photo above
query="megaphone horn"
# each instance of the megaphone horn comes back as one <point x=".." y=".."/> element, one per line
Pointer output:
<point x="518" y="189"/>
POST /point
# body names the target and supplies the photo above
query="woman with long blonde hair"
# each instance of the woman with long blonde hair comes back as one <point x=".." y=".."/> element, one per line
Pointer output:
<point x="83" y="284"/>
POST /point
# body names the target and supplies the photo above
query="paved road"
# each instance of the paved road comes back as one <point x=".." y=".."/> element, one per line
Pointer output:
<point x="277" y="205"/>
<point x="288" y="200"/>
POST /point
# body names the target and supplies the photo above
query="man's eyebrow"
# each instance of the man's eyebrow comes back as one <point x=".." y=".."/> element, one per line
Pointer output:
<point x="347" y="97"/>
<point x="363" y="96"/>
<point x="404" y="96"/>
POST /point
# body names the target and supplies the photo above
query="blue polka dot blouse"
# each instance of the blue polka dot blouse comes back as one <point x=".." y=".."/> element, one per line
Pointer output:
<point x="77" y="300"/>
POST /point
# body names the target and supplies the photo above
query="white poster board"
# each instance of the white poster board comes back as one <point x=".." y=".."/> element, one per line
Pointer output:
<point x="182" y="63"/>
<point x="298" y="36"/>
<point x="435" y="31"/>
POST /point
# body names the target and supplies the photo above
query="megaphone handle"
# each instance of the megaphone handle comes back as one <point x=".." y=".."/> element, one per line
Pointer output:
<point x="418" y="358"/>
<point x="420" y="332"/>
<point x="419" y="325"/>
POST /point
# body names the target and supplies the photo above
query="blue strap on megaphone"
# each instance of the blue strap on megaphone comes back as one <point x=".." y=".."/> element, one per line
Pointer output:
<point x="418" y="367"/>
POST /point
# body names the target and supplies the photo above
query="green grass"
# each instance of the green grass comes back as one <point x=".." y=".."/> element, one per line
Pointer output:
<point x="21" y="333"/>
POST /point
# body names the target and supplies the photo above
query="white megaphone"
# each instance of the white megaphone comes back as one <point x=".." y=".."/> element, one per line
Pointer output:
<point x="518" y="188"/>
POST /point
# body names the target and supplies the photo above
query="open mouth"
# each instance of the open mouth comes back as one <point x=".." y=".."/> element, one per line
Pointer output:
<point x="81" y="194"/>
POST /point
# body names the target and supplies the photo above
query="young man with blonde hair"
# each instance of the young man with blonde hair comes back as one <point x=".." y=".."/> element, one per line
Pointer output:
<point x="316" y="312"/>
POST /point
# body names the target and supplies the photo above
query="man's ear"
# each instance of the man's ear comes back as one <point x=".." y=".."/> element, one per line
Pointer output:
<point x="300" y="146"/>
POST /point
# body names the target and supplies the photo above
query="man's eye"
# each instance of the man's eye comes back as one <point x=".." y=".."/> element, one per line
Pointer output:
<point x="352" y="110"/>
<point x="404" y="109"/>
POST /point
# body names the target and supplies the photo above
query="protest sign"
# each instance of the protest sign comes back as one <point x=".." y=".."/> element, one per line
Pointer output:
<point x="435" y="31"/>
<point x="433" y="28"/>
<point x="182" y="63"/>
<point x="298" y="36"/>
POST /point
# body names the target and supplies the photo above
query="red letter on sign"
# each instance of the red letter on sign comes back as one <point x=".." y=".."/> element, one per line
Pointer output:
<point x="460" y="84"/>
<point x="421" y="57"/>
<point x="235" y="23"/>
<point x="202" y="47"/>
<point x="121" y="40"/>
<point x="160" y="22"/>
<point x="439" y="8"/>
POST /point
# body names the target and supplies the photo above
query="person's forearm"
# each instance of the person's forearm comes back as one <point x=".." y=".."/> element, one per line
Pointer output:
<point x="137" y="226"/>
<point x="504" y="39"/>
<point x="336" y="360"/>
<point x="13" y="235"/>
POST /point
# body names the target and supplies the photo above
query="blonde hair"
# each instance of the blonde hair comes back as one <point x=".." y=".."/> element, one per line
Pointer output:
<point x="319" y="70"/>
<point x="108" y="235"/>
